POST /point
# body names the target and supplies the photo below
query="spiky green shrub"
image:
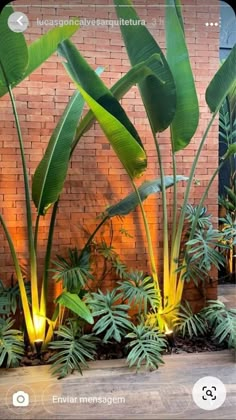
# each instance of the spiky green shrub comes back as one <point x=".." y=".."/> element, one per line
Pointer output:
<point x="222" y="321"/>
<point x="10" y="298"/>
<point x="74" y="271"/>
<point x="202" y="253"/>
<point x="190" y="324"/>
<point x="113" y="321"/>
<point x="147" y="345"/>
<point x="11" y="344"/>
<point x="73" y="348"/>
<point x="139" y="290"/>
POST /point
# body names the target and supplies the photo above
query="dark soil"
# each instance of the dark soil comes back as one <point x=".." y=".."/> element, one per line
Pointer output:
<point x="114" y="350"/>
<point x="195" y="345"/>
<point x="33" y="359"/>
<point x="226" y="278"/>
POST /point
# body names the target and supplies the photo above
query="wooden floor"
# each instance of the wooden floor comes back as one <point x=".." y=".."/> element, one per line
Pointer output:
<point x="227" y="294"/>
<point x="161" y="394"/>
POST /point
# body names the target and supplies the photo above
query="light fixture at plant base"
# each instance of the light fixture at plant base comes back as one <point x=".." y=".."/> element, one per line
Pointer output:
<point x="170" y="338"/>
<point x="38" y="346"/>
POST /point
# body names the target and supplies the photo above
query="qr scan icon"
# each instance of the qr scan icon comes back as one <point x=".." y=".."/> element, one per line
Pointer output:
<point x="209" y="393"/>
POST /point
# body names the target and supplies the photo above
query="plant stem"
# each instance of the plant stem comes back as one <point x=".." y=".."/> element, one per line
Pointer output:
<point x="24" y="298"/>
<point x="166" y="267"/>
<point x="44" y="290"/>
<point x="36" y="232"/>
<point x="150" y="247"/>
<point x="203" y="199"/>
<point x="175" y="202"/>
<point x="176" y="247"/>
<point x="181" y="281"/>
<point x="32" y="256"/>
<point x="94" y="232"/>
<point x="52" y="325"/>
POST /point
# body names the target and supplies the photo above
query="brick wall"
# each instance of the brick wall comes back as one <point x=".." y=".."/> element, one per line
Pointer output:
<point x="96" y="177"/>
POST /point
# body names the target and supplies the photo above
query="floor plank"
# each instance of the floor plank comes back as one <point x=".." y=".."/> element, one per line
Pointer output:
<point x="109" y="390"/>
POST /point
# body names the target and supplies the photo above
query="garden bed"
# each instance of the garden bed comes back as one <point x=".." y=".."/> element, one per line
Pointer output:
<point x="114" y="350"/>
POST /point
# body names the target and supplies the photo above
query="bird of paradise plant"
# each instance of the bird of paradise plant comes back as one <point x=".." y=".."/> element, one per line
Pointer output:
<point x="173" y="106"/>
<point x="169" y="96"/>
<point x="17" y="61"/>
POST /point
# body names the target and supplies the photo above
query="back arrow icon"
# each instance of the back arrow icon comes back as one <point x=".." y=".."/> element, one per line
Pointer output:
<point x="19" y="20"/>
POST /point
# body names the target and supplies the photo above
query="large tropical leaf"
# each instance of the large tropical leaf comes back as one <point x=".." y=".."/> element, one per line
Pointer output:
<point x="113" y="120"/>
<point x="75" y="304"/>
<point x="41" y="49"/>
<point x="157" y="90"/>
<point x="222" y="82"/>
<point x="119" y="89"/>
<point x="128" y="150"/>
<point x="82" y="74"/>
<point x="128" y="204"/>
<point x="51" y="172"/>
<point x="186" y="118"/>
<point x="13" y="52"/>
<point x="177" y="6"/>
<point x="38" y="52"/>
<point x="232" y="103"/>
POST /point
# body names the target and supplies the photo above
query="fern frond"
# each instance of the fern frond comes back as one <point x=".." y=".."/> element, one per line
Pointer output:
<point x="120" y="268"/>
<point x="223" y="322"/>
<point x="125" y="232"/>
<point x="203" y="220"/>
<point x="139" y="290"/>
<point x="147" y="345"/>
<point x="11" y="344"/>
<point x="113" y="316"/>
<point x="190" y="324"/>
<point x="73" y="271"/>
<point x="107" y="251"/>
<point x="10" y="298"/>
<point x="73" y="348"/>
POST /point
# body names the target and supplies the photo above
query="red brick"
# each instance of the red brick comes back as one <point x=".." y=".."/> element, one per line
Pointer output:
<point x="96" y="177"/>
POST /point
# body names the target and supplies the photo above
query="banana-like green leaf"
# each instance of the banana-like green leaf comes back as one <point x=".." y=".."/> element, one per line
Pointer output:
<point x="232" y="103"/>
<point x="51" y="172"/>
<point x="128" y="204"/>
<point x="128" y="150"/>
<point x="119" y="89"/>
<point x="157" y="90"/>
<point x="186" y="118"/>
<point x="82" y="74"/>
<point x="13" y="52"/>
<point x="38" y="52"/>
<point x="76" y="305"/>
<point x="222" y="82"/>
<point x="41" y="49"/>
<point x="179" y="13"/>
